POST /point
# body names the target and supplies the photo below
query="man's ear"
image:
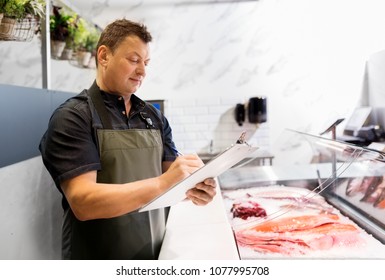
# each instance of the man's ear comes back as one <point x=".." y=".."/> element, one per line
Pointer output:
<point x="102" y="54"/>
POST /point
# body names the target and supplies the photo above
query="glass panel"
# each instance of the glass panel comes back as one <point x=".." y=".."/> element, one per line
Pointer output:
<point x="314" y="182"/>
<point x="356" y="176"/>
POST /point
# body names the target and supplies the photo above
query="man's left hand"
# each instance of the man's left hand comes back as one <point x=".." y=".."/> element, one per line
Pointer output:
<point x="203" y="193"/>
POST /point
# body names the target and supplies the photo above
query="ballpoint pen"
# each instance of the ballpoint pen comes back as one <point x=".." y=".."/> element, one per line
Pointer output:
<point x="241" y="138"/>
<point x="177" y="152"/>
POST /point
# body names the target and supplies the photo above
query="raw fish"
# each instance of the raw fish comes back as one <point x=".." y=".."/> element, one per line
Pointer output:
<point x="297" y="235"/>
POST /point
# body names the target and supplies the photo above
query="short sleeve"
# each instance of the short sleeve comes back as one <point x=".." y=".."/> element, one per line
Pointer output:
<point x="68" y="147"/>
<point x="170" y="151"/>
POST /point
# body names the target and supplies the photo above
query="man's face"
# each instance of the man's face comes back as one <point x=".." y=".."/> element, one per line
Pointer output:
<point x="126" y="67"/>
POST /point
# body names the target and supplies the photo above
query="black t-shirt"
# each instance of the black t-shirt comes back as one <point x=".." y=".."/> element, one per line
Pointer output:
<point x="69" y="147"/>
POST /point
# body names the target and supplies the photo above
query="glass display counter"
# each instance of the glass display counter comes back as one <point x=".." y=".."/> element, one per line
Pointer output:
<point x="321" y="198"/>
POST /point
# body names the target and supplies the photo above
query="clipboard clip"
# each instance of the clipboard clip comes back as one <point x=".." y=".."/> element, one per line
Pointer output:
<point x="241" y="139"/>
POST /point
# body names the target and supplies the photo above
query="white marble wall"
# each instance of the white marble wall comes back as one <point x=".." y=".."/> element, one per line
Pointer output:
<point x="306" y="56"/>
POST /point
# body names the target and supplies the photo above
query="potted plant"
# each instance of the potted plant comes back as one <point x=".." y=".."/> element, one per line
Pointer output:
<point x="2" y="3"/>
<point x="12" y="10"/>
<point x="86" y="39"/>
<point x="90" y="47"/>
<point x="62" y="25"/>
<point x="20" y="15"/>
<point x="36" y="8"/>
<point x="34" y="12"/>
<point x="19" y="9"/>
<point x="69" y="41"/>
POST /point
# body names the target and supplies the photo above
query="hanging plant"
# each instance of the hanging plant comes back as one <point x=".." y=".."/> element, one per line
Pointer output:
<point x="85" y="40"/>
<point x="13" y="8"/>
<point x="21" y="19"/>
<point x="35" y="8"/>
<point x="61" y="24"/>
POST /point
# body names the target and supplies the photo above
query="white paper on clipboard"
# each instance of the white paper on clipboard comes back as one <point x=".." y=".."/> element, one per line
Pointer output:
<point x="211" y="169"/>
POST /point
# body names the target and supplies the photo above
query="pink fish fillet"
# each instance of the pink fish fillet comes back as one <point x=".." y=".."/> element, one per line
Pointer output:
<point x="298" y="235"/>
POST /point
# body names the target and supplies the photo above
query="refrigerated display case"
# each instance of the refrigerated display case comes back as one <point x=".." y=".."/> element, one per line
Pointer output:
<point x="323" y="199"/>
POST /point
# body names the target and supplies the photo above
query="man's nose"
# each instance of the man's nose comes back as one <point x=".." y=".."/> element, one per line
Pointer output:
<point x="141" y="69"/>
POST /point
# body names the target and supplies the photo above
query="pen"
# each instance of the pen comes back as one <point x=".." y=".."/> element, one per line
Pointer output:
<point x="177" y="152"/>
<point x="241" y="138"/>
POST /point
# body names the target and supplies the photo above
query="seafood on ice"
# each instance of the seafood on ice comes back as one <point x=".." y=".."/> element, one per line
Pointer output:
<point x="299" y="234"/>
<point x="371" y="189"/>
<point x="287" y="221"/>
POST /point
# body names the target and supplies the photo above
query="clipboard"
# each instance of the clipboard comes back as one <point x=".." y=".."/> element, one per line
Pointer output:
<point x="215" y="167"/>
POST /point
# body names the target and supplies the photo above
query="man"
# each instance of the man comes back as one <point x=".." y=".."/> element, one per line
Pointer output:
<point x="110" y="153"/>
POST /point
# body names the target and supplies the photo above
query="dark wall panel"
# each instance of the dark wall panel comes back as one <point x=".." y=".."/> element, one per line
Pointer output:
<point x="24" y="115"/>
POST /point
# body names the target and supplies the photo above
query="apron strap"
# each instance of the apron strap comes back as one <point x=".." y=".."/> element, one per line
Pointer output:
<point x="94" y="93"/>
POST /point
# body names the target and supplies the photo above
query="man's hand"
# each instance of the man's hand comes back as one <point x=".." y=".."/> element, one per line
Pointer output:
<point x="202" y="193"/>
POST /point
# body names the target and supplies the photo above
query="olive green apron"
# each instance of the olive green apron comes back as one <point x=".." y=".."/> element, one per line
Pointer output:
<point x="126" y="156"/>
